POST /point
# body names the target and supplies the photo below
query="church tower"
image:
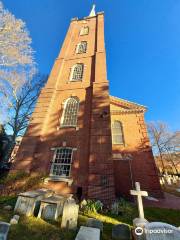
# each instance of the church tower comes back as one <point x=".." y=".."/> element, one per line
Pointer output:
<point x="69" y="135"/>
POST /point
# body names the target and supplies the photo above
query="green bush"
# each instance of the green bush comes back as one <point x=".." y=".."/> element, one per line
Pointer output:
<point x="8" y="200"/>
<point x="126" y="208"/>
<point x="91" y="206"/>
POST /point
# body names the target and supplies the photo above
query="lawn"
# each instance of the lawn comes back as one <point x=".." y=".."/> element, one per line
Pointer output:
<point x="32" y="228"/>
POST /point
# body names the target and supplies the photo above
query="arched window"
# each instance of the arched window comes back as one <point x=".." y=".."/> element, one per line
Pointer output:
<point x="69" y="117"/>
<point x="77" y="72"/>
<point x="117" y="133"/>
<point x="81" y="47"/>
<point x="84" y="31"/>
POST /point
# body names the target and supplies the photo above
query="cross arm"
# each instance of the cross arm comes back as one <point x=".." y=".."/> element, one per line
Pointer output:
<point x="138" y="193"/>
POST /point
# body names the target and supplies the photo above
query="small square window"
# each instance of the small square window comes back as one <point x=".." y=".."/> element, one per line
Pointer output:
<point x="84" y="31"/>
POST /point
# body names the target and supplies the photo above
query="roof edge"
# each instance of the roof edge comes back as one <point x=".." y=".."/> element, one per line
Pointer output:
<point x="130" y="102"/>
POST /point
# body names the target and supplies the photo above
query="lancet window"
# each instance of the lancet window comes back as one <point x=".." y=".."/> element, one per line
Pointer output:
<point x="117" y="133"/>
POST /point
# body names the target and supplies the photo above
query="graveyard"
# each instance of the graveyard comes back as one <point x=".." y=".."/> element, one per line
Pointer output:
<point x="46" y="222"/>
<point x="77" y="160"/>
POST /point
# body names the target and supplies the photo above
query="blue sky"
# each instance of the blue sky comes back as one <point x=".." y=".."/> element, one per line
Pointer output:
<point x="142" y="44"/>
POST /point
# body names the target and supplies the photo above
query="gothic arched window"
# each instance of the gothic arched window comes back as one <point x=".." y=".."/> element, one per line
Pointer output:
<point x="81" y="47"/>
<point x="117" y="133"/>
<point x="77" y="72"/>
<point x="69" y="117"/>
<point x="84" y="31"/>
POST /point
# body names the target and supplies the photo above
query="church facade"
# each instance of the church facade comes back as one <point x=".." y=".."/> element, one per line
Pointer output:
<point x="87" y="142"/>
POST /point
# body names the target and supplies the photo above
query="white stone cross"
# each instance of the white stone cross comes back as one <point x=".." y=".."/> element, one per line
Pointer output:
<point x="139" y="195"/>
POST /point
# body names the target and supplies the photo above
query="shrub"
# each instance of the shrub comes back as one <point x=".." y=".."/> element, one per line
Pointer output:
<point x="8" y="200"/>
<point x="91" y="206"/>
<point x="125" y="208"/>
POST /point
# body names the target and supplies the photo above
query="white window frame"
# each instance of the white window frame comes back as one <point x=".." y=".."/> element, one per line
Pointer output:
<point x="78" y="46"/>
<point x="72" y="72"/>
<point x="64" y="110"/>
<point x="59" y="164"/>
<point x="82" y="33"/>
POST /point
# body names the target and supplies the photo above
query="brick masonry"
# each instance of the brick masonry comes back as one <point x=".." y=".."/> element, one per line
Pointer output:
<point x="93" y="169"/>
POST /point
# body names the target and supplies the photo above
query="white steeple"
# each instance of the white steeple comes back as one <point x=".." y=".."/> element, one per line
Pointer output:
<point x="93" y="12"/>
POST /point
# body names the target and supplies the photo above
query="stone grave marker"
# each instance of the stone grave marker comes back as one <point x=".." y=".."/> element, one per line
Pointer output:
<point x="51" y="207"/>
<point x="139" y="195"/>
<point x="174" y="179"/>
<point x="139" y="222"/>
<point x="161" y="231"/>
<point x="162" y="181"/>
<point x="115" y="208"/>
<point x="121" y="232"/>
<point x="27" y="201"/>
<point x="94" y="223"/>
<point x="15" y="219"/>
<point x="88" y="233"/>
<point x="8" y="207"/>
<point x="70" y="214"/>
<point x="168" y="179"/>
<point x="4" y="229"/>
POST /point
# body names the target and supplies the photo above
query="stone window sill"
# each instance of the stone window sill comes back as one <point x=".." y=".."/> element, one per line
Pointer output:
<point x="69" y="181"/>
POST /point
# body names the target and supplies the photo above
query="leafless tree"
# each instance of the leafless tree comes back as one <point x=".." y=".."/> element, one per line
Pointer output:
<point x="22" y="104"/>
<point x="165" y="144"/>
<point x="15" y="42"/>
<point x="17" y="65"/>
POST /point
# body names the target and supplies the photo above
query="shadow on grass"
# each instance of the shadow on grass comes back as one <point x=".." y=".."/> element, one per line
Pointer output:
<point x="38" y="229"/>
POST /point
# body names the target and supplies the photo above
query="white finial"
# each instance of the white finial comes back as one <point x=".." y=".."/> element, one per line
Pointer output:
<point x="93" y="12"/>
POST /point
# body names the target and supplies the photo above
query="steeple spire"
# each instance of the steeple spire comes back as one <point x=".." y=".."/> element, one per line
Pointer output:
<point x="93" y="12"/>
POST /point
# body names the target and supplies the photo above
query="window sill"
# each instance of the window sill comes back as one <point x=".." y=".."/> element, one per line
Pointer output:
<point x="67" y="127"/>
<point x="122" y="144"/>
<point x="78" y="80"/>
<point x="69" y="181"/>
<point x="75" y="127"/>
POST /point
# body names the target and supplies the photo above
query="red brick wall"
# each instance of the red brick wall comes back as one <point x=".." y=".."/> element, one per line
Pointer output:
<point x="43" y="133"/>
<point x="141" y="165"/>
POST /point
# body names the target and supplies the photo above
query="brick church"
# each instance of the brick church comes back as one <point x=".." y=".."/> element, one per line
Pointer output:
<point x="87" y="142"/>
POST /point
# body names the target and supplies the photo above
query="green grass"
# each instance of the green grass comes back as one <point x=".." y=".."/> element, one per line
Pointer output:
<point x="32" y="228"/>
<point x="170" y="216"/>
<point x="12" y="177"/>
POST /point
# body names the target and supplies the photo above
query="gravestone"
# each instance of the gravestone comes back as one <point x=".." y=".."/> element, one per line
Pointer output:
<point x="115" y="208"/>
<point x="88" y="233"/>
<point x="168" y="179"/>
<point x="52" y="207"/>
<point x="121" y="232"/>
<point x="161" y="231"/>
<point x="162" y="181"/>
<point x="174" y="179"/>
<point x="4" y="229"/>
<point x="139" y="222"/>
<point x="70" y="214"/>
<point x="8" y="207"/>
<point x="94" y="223"/>
<point x="15" y="219"/>
<point x="27" y="201"/>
